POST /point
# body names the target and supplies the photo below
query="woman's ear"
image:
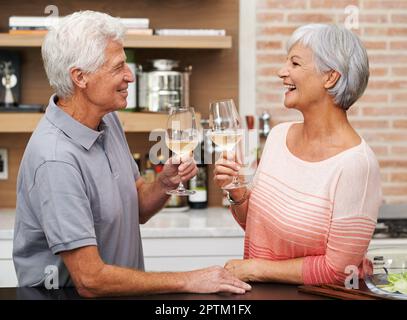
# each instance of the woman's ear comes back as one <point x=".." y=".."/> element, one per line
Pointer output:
<point x="332" y="78"/>
<point x="78" y="77"/>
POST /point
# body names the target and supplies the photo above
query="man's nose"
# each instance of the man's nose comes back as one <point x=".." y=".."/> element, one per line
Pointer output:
<point x="129" y="76"/>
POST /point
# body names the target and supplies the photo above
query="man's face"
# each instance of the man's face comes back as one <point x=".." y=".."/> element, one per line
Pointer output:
<point x="107" y="87"/>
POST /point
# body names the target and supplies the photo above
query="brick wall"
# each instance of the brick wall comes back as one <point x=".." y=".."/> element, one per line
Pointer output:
<point x="380" y="116"/>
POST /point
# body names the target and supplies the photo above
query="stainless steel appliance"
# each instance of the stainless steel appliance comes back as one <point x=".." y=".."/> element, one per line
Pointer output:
<point x="162" y="86"/>
<point x="391" y="227"/>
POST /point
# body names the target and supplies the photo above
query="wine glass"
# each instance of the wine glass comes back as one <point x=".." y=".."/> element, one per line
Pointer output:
<point x="227" y="132"/>
<point x="181" y="138"/>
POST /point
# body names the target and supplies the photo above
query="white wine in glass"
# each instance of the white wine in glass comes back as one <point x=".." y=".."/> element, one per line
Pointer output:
<point x="227" y="139"/>
<point x="227" y="132"/>
<point x="181" y="147"/>
<point x="182" y="137"/>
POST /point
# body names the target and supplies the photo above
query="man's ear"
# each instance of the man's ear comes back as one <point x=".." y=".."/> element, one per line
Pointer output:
<point x="78" y="77"/>
<point x="331" y="79"/>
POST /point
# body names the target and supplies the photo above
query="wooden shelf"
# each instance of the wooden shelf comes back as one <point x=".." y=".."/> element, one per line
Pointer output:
<point x="134" y="41"/>
<point x="131" y="121"/>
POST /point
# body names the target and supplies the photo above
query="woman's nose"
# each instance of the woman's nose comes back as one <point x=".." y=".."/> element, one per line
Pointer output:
<point x="283" y="72"/>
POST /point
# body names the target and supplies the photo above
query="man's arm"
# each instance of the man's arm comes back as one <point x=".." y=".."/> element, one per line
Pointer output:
<point x="152" y="196"/>
<point x="93" y="278"/>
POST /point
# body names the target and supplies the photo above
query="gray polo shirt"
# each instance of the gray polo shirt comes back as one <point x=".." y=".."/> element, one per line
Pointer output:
<point x="75" y="187"/>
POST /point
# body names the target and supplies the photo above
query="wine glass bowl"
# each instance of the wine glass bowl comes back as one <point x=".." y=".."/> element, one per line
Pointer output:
<point x="182" y="137"/>
<point x="227" y="133"/>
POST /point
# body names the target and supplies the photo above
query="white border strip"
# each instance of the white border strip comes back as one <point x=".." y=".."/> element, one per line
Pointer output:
<point x="247" y="57"/>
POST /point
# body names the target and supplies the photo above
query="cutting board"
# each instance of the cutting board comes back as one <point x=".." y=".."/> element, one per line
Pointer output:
<point x="339" y="292"/>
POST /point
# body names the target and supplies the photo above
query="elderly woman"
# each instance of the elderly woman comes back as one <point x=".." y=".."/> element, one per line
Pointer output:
<point x="315" y="197"/>
<point x="80" y="197"/>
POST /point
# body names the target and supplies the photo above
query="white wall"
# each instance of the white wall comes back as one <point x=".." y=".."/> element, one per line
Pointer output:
<point x="247" y="57"/>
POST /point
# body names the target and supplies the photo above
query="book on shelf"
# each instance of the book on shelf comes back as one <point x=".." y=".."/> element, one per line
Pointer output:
<point x="190" y="32"/>
<point x="48" y="21"/>
<point x="136" y="23"/>
<point x="43" y="32"/>
<point x="141" y="32"/>
<point x="25" y="32"/>
<point x="28" y="28"/>
<point x="34" y="21"/>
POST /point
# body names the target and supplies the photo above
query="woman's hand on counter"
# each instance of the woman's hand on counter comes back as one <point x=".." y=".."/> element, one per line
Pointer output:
<point x="261" y="270"/>
<point x="242" y="269"/>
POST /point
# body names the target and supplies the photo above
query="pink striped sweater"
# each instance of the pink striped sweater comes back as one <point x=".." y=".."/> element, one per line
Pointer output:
<point x="324" y="211"/>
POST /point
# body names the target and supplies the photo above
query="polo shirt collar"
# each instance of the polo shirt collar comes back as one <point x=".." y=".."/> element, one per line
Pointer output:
<point x="78" y="132"/>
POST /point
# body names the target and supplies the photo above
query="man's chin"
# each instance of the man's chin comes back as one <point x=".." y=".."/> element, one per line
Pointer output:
<point x="121" y="104"/>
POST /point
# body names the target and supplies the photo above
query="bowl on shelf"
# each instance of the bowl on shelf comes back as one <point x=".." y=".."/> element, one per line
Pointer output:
<point x="385" y="272"/>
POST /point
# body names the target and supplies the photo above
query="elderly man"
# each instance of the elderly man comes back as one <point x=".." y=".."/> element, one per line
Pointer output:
<point x="80" y="197"/>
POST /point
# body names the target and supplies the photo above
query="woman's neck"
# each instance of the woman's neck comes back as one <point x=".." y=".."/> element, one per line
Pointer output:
<point x="324" y="123"/>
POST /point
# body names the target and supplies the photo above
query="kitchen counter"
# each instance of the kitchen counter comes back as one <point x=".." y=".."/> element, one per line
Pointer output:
<point x="260" y="291"/>
<point x="210" y="222"/>
<point x="172" y="241"/>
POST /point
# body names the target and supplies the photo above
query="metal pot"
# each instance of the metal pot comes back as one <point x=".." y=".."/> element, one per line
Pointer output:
<point x="159" y="101"/>
<point x="160" y="88"/>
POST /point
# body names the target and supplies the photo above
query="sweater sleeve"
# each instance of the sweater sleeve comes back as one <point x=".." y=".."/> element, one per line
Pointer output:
<point x="356" y="204"/>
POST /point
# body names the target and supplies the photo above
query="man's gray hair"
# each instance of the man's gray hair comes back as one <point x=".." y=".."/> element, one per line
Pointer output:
<point x="78" y="40"/>
<point x="336" y="48"/>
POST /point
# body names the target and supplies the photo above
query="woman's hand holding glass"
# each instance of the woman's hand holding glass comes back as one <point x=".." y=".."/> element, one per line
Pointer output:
<point x="227" y="133"/>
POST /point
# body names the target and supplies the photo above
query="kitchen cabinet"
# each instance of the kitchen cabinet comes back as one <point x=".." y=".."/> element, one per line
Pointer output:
<point x="190" y="240"/>
<point x="214" y="61"/>
<point x="8" y="276"/>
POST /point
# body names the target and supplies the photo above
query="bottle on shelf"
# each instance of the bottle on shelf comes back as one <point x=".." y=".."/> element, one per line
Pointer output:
<point x="199" y="183"/>
<point x="174" y="203"/>
<point x="264" y="130"/>
<point x="149" y="173"/>
<point x="137" y="159"/>
<point x="251" y="150"/>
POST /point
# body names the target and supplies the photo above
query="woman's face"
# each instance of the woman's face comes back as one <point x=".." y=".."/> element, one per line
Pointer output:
<point x="305" y="86"/>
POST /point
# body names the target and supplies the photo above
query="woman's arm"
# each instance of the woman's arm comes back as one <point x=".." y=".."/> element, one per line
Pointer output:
<point x="347" y="244"/>
<point x="260" y="270"/>
<point x="224" y="172"/>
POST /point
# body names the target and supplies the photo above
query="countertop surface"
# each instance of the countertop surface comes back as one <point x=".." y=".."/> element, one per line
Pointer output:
<point x="210" y="222"/>
<point x="260" y="291"/>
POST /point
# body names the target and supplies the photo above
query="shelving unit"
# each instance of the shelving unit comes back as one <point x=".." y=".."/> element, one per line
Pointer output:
<point x="214" y="61"/>
<point x="132" y="122"/>
<point x="134" y="41"/>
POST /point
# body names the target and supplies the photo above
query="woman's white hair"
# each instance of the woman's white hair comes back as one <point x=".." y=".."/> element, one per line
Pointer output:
<point x="336" y="48"/>
<point x="78" y="40"/>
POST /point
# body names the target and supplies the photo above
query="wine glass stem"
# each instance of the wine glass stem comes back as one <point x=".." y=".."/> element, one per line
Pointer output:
<point x="181" y="187"/>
